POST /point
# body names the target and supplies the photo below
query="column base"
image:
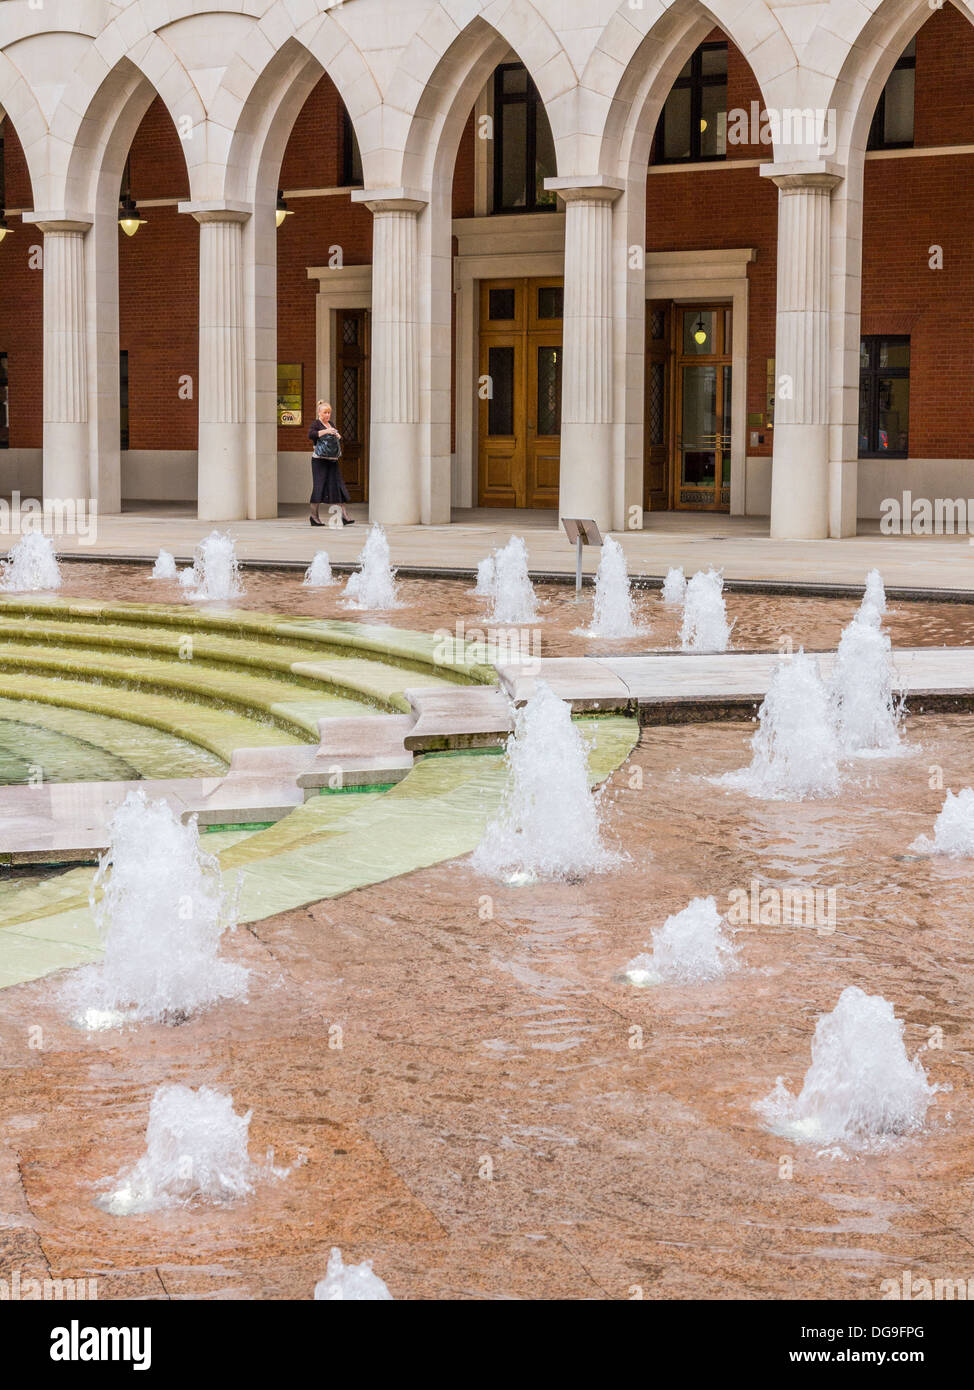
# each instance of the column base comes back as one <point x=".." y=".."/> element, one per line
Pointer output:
<point x="394" y="474"/>
<point x="800" y="483"/>
<point x="222" y="473"/>
<point x="843" y="498"/>
<point x="66" y="461"/>
<point x="585" y="487"/>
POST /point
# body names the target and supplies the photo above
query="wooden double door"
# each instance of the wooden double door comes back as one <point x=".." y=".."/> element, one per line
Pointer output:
<point x="520" y="392"/>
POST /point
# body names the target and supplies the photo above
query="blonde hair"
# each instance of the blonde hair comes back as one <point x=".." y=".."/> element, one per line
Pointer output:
<point x="327" y="404"/>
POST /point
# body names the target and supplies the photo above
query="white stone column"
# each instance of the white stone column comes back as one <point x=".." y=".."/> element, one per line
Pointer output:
<point x="395" y="445"/>
<point x="587" y="394"/>
<point x="224" y="445"/>
<point x="800" y="468"/>
<point x="66" y="438"/>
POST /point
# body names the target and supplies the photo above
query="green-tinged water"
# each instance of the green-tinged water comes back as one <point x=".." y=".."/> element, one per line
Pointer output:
<point x="50" y="743"/>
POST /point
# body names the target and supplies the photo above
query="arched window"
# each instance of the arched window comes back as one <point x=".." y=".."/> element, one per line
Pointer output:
<point x="892" y="127"/>
<point x="524" y="151"/>
<point x="693" y="123"/>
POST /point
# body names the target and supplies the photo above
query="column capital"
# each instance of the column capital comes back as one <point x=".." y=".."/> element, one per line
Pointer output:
<point x="59" y="221"/>
<point x="814" y="174"/>
<point x="586" y="188"/>
<point x="391" y="199"/>
<point x="218" y="210"/>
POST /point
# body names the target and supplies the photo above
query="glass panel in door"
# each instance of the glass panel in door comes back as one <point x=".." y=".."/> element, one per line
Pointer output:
<point x="699" y="442"/>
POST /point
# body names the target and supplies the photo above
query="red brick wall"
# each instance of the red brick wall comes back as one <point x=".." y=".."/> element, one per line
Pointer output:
<point x="314" y="158"/>
<point x="911" y="205"/>
<point x="21" y="304"/>
<point x="158" y="292"/>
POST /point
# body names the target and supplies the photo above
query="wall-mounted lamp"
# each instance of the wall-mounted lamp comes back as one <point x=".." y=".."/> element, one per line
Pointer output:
<point x="129" y="217"/>
<point x="282" y="208"/>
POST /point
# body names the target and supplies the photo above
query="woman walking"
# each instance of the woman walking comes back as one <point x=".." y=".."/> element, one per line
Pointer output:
<point x="328" y="483"/>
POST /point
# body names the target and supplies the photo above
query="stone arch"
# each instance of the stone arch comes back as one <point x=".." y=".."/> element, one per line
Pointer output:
<point x="869" y="57"/>
<point x="623" y="87"/>
<point x="19" y="105"/>
<point x="100" y="112"/>
<point x="638" y="57"/>
<point x="435" y="85"/>
<point x="261" y="120"/>
<point x="259" y="111"/>
<point x="427" y="106"/>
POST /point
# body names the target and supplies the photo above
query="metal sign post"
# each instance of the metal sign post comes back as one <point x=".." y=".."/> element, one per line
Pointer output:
<point x="582" y="532"/>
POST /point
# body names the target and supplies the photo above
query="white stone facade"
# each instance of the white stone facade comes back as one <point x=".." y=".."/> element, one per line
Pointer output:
<point x="76" y="77"/>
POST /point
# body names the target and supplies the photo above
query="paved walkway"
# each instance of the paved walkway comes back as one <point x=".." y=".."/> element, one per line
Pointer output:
<point x="739" y="545"/>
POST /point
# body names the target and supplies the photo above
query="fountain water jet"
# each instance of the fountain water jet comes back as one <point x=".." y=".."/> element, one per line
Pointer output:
<point x="691" y="947"/>
<point x="165" y="566"/>
<point x="674" y="587"/>
<point x="795" y="750"/>
<point x="548" y="825"/>
<point x="318" y="575"/>
<point x="861" y="1088"/>
<point x="196" y="1151"/>
<point x="705" y="626"/>
<point x="953" y="830"/>
<point x="874" y="599"/>
<point x="486" y="578"/>
<point x="346" y="1283"/>
<point x="31" y="566"/>
<point x="514" y="599"/>
<point x="216" y="572"/>
<point x="864" y="709"/>
<point x="161" y="915"/>
<point x="373" y="584"/>
<point x="612" y="614"/>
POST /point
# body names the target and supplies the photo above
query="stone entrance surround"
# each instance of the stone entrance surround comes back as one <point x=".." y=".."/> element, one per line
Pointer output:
<point x="76" y="80"/>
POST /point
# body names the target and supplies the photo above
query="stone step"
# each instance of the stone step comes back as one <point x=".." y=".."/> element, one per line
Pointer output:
<point x="459" y="717"/>
<point x="673" y="685"/>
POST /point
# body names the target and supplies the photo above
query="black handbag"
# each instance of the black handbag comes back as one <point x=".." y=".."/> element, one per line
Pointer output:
<point x="328" y="446"/>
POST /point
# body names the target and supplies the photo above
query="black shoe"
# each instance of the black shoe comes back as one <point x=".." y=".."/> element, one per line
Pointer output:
<point x="348" y="521"/>
<point x="315" y="523"/>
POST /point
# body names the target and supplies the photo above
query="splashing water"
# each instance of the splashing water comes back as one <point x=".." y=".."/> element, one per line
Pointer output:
<point x="373" y="585"/>
<point x="612" y="614"/>
<point x="861" y="1089"/>
<point x="874" y="598"/>
<point x="196" y="1151"/>
<point x="690" y="948"/>
<point x="31" y="566"/>
<point x="187" y="578"/>
<point x="161" y="915"/>
<point x="165" y="566"/>
<point x="548" y="825"/>
<point x="795" y="750"/>
<point x="486" y="578"/>
<point x="705" y="626"/>
<point x="318" y="575"/>
<point x="215" y="572"/>
<point x="513" y="594"/>
<point x="863" y="707"/>
<point x="348" y="1282"/>
<point x="953" y="830"/>
<point x="674" y="587"/>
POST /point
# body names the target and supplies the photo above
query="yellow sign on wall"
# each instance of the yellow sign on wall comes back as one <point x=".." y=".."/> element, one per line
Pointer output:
<point x="290" y="392"/>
